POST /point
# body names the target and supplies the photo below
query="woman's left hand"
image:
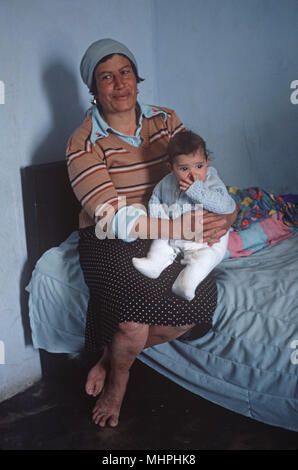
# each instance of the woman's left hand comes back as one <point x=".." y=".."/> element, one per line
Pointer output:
<point x="216" y="225"/>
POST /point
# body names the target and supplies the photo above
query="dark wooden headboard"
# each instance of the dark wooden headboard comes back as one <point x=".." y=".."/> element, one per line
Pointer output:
<point x="50" y="207"/>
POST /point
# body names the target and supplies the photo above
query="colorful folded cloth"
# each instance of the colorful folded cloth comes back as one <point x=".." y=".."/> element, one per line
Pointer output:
<point x="256" y="204"/>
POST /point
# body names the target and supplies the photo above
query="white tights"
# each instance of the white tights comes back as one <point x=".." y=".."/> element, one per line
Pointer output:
<point x="199" y="260"/>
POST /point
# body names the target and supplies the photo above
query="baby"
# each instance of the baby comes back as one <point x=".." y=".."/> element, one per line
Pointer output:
<point x="191" y="181"/>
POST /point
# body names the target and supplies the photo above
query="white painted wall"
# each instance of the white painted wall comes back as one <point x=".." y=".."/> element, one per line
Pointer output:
<point x="227" y="66"/>
<point x="41" y="45"/>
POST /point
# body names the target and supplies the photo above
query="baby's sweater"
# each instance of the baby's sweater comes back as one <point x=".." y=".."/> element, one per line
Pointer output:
<point x="212" y="194"/>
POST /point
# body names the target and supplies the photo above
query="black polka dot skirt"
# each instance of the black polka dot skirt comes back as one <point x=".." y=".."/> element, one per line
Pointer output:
<point x="119" y="293"/>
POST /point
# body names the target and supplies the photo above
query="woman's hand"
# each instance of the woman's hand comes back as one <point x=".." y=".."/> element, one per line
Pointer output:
<point x="216" y="225"/>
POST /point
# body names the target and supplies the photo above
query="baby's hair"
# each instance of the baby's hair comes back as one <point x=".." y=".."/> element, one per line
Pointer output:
<point x="186" y="142"/>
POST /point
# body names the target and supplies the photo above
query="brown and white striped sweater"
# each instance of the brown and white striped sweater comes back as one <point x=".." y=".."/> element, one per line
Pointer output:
<point x="102" y="172"/>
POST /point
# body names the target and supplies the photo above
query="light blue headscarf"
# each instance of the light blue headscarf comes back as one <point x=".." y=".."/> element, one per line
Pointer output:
<point x="97" y="51"/>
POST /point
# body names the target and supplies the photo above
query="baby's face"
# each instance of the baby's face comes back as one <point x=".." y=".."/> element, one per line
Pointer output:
<point x="191" y="167"/>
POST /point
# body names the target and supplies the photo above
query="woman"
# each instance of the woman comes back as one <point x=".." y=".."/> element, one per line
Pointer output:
<point x="115" y="159"/>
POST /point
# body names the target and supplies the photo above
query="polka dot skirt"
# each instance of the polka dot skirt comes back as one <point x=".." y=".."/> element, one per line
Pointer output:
<point x="119" y="293"/>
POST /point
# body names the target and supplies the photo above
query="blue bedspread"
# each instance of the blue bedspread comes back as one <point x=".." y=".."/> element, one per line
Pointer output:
<point x="247" y="363"/>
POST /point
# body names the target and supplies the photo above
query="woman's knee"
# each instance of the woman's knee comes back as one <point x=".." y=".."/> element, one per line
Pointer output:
<point x="180" y="330"/>
<point x="129" y="340"/>
<point x="167" y="333"/>
<point x="132" y="328"/>
<point x="133" y="335"/>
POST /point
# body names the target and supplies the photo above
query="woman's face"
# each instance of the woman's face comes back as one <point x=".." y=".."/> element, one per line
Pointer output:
<point x="116" y="85"/>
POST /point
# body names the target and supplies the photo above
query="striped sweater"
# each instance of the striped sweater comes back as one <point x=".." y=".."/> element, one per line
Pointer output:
<point x="103" y="172"/>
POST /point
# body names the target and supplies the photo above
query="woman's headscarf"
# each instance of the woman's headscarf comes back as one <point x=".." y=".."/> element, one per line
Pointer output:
<point x="97" y="51"/>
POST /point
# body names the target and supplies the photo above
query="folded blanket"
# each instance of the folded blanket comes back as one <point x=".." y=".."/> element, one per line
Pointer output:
<point x="258" y="235"/>
<point x="256" y="204"/>
<point x="263" y="219"/>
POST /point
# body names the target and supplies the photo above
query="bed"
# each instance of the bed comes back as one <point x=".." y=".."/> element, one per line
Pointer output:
<point x="247" y="362"/>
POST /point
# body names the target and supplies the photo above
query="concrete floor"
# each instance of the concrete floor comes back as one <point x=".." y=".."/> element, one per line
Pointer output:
<point x="157" y="414"/>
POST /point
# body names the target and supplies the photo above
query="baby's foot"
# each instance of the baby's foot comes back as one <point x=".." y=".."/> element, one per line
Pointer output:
<point x="149" y="268"/>
<point x="187" y="294"/>
<point x="146" y="267"/>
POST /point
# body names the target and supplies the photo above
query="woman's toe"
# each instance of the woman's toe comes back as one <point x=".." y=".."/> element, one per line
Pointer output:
<point x="89" y="389"/>
<point x="113" y="421"/>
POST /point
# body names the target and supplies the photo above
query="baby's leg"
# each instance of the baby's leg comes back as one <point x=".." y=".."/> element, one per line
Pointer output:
<point x="159" y="257"/>
<point x="199" y="264"/>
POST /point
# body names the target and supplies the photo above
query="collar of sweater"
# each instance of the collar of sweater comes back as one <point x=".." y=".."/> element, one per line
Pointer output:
<point x="101" y="129"/>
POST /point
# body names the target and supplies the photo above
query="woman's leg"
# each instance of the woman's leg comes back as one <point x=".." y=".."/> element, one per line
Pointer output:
<point x="103" y="262"/>
<point x="110" y="374"/>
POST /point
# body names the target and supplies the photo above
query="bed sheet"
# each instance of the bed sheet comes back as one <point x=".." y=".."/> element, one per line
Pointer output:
<point x="247" y="362"/>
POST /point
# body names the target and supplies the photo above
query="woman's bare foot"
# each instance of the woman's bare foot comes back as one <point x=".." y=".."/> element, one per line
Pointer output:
<point x="107" y="408"/>
<point x="128" y="341"/>
<point x="97" y="375"/>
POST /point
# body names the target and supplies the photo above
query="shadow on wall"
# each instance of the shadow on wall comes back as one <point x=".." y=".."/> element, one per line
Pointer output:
<point x="61" y="89"/>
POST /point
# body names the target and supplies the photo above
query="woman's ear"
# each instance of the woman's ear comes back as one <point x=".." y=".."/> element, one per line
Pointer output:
<point x="208" y="160"/>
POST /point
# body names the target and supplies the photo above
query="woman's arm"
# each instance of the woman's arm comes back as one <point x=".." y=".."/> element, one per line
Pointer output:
<point x="189" y="226"/>
<point x="89" y="176"/>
